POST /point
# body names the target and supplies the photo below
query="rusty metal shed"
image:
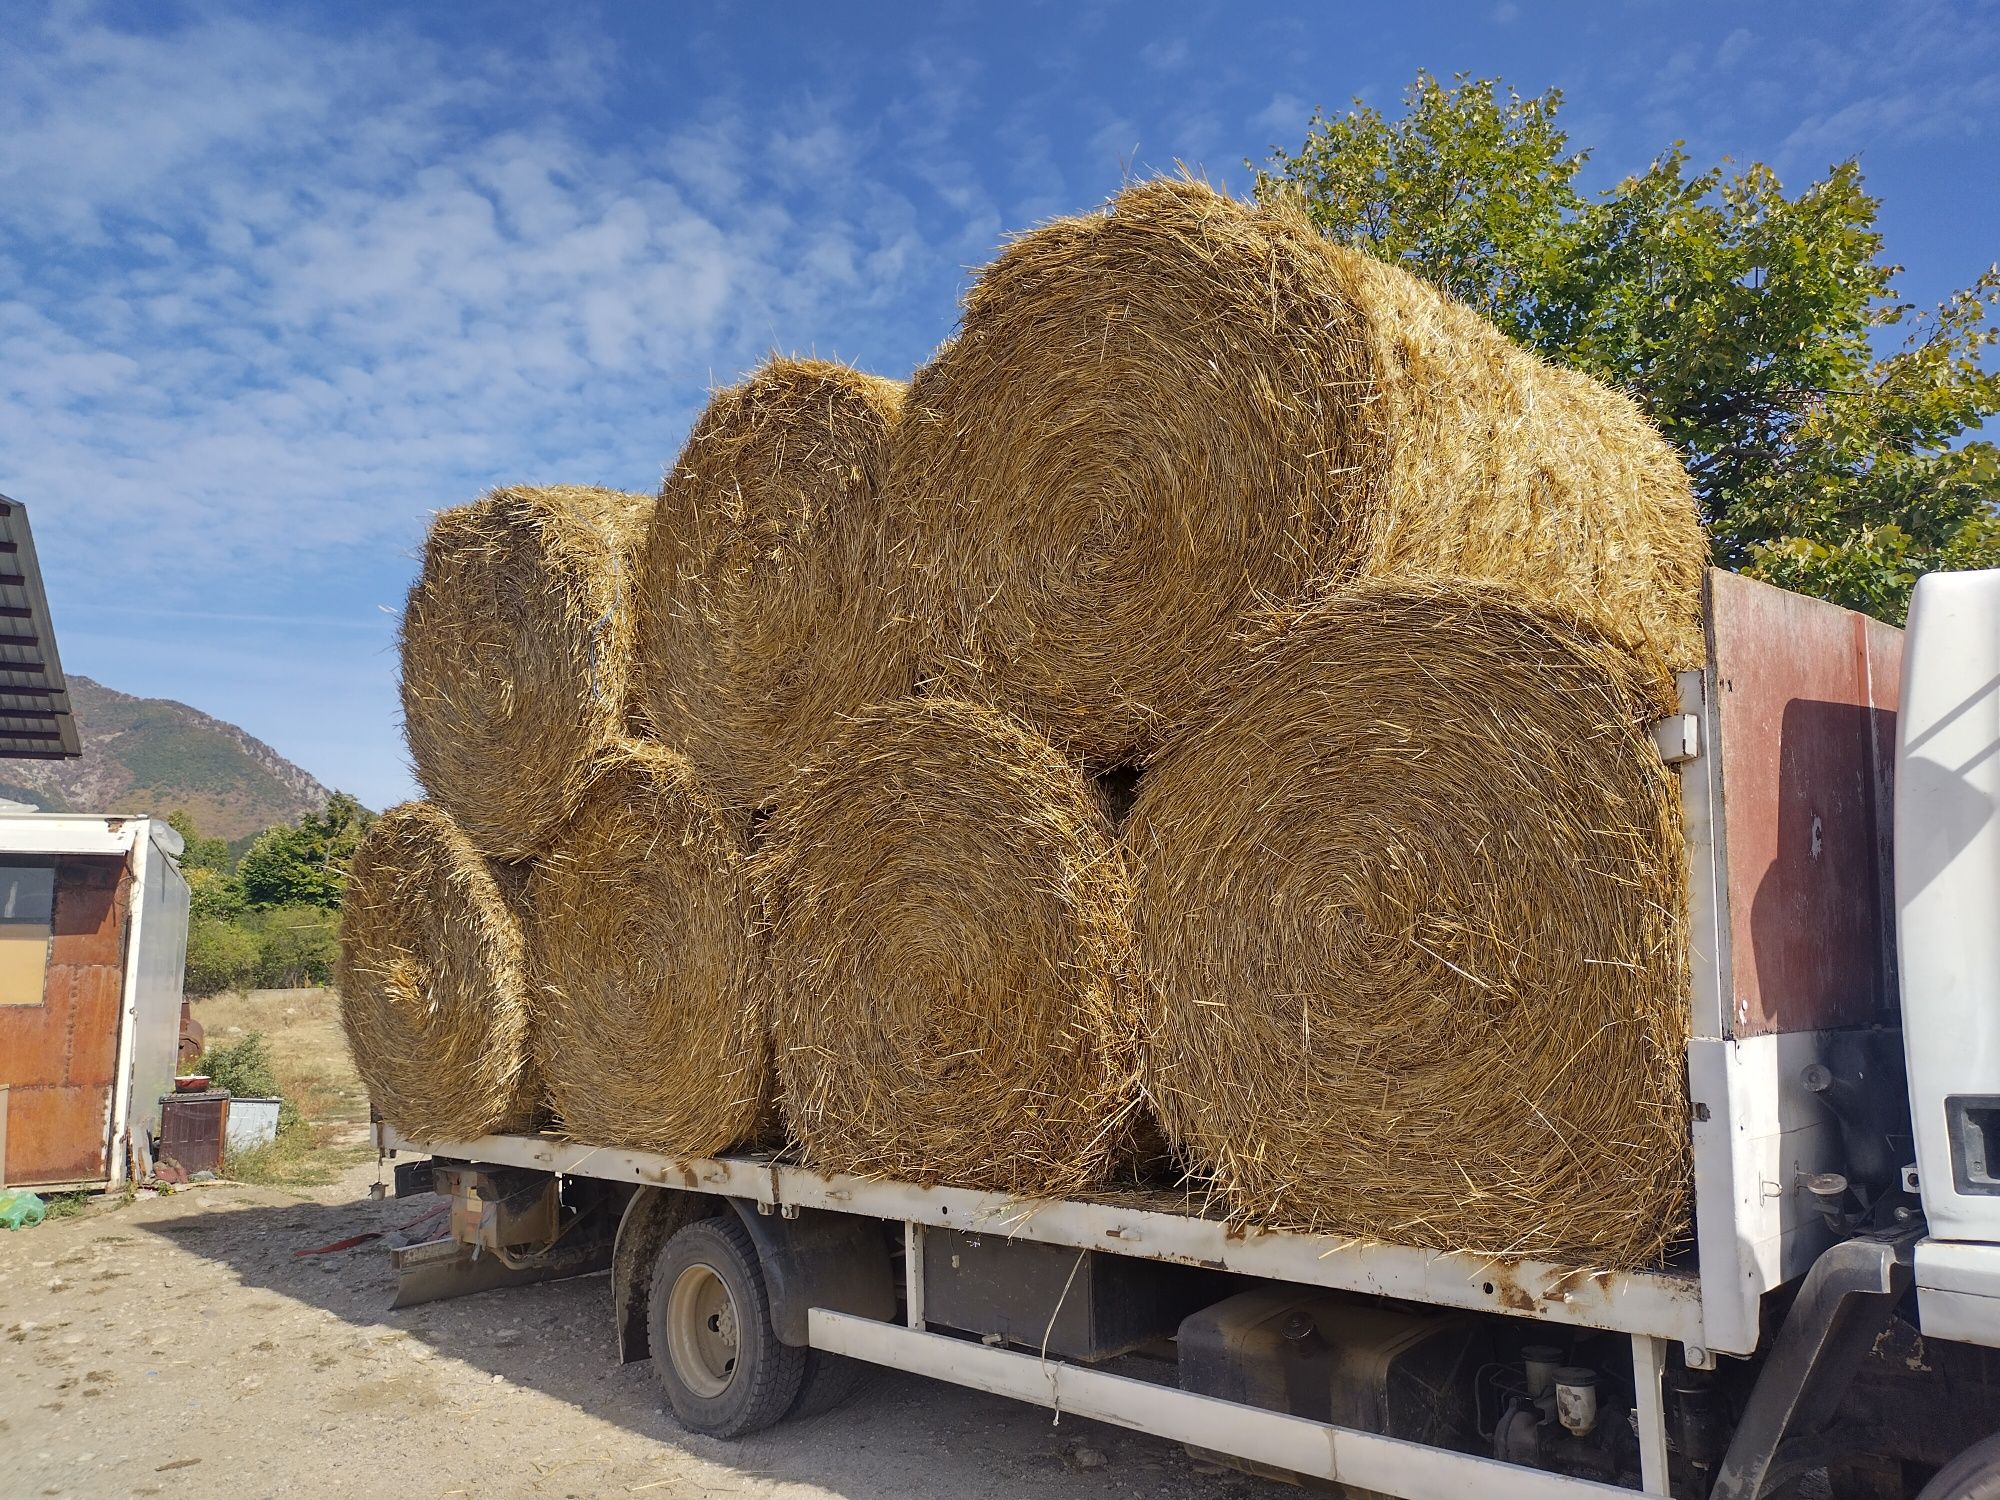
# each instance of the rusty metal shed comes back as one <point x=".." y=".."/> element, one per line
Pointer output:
<point x="93" y="931"/>
<point x="93" y="938"/>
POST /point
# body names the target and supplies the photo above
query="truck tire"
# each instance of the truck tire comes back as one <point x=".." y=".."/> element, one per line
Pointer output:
<point x="709" y="1322"/>
<point x="830" y="1380"/>
<point x="1973" y="1475"/>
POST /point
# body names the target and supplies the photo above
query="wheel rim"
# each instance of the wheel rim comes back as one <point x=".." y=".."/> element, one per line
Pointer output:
<point x="702" y="1330"/>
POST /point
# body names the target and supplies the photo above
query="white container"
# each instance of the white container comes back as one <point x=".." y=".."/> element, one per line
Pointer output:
<point x="252" y="1123"/>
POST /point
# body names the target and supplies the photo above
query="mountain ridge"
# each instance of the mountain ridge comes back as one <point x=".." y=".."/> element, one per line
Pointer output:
<point x="159" y="755"/>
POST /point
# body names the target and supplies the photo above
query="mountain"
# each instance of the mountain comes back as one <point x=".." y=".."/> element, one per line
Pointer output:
<point x="153" y="755"/>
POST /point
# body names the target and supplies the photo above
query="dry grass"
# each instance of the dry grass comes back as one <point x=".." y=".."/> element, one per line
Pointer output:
<point x="1411" y="912"/>
<point x="1166" y="428"/>
<point x="517" y="643"/>
<point x="949" y="952"/>
<point x="315" y="1075"/>
<point x="309" y="1052"/>
<point x="765" y="612"/>
<point x="647" y="1028"/>
<point x="433" y="982"/>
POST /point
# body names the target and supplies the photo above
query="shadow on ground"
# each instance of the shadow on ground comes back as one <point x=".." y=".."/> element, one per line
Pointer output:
<point x="902" y="1436"/>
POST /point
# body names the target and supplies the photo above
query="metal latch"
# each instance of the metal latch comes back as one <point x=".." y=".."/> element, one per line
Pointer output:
<point x="1678" y="738"/>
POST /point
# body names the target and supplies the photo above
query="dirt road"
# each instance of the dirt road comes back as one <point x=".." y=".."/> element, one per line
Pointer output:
<point x="178" y="1346"/>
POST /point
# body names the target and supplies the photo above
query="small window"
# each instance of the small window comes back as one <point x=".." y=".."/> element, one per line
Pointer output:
<point x="27" y="909"/>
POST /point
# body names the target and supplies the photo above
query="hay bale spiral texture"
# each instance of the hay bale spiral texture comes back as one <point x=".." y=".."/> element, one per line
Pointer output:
<point x="767" y="611"/>
<point x="647" y="1032"/>
<point x="433" y="980"/>
<point x="516" y="652"/>
<point x="1410" y="911"/>
<point x="949" y="945"/>
<point x="1166" y="427"/>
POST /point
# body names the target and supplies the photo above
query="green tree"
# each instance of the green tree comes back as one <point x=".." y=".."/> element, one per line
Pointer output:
<point x="1823" y="419"/>
<point x="198" y="853"/>
<point x="296" y="946"/>
<point x="306" y="864"/>
<point x="221" y="955"/>
<point x="210" y="871"/>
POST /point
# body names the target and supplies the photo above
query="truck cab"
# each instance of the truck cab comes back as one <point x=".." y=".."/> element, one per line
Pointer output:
<point x="1947" y="828"/>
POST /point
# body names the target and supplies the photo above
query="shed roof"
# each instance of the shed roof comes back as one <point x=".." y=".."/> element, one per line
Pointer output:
<point x="35" y="719"/>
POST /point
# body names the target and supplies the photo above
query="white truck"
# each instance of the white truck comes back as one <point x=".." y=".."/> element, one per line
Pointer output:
<point x="1834" y="1312"/>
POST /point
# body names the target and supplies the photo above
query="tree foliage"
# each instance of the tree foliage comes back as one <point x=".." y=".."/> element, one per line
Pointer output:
<point x="1824" y="420"/>
<point x="306" y="864"/>
<point x="221" y="955"/>
<point x="273" y="920"/>
<point x="198" y="853"/>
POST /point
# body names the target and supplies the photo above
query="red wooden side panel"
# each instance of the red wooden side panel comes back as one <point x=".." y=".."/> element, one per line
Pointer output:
<point x="1806" y="697"/>
<point x="60" y="1058"/>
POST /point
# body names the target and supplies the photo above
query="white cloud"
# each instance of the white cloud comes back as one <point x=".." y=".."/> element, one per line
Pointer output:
<point x="265" y="293"/>
<point x="1115" y="145"/>
<point x="1169" y="55"/>
<point x="1283" y="119"/>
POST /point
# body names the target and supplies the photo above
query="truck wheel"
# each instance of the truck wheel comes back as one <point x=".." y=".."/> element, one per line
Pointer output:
<point x="1973" y="1475"/>
<point x="709" y="1321"/>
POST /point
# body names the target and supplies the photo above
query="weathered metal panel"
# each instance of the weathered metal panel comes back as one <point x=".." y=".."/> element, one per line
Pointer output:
<point x="55" y="1133"/>
<point x="156" y="960"/>
<point x="1806" y="701"/>
<point x="61" y="1057"/>
<point x="1884" y="645"/>
<point x="193" y="1128"/>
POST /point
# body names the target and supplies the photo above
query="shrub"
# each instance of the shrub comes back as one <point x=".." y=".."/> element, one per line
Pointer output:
<point x="296" y="946"/>
<point x="220" y="956"/>
<point x="243" y="1067"/>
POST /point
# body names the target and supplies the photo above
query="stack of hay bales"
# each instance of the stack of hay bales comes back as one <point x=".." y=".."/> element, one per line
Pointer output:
<point x="1167" y="428"/>
<point x="1384" y="606"/>
<point x="598" y="689"/>
<point x="1378" y="607"/>
<point x="516" y="658"/>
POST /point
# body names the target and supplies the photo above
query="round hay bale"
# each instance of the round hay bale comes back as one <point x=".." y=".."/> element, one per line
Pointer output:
<point x="766" y="612"/>
<point x="949" y="948"/>
<point x="1166" y="427"/>
<point x="433" y="981"/>
<point x="516" y="654"/>
<point x="1410" y="911"/>
<point x="646" y="1031"/>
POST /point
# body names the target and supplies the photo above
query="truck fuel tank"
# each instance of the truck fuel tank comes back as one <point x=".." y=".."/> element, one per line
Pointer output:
<point x="1403" y="1372"/>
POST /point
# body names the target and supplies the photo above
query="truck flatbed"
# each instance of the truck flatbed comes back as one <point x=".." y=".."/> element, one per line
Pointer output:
<point x="1662" y="1304"/>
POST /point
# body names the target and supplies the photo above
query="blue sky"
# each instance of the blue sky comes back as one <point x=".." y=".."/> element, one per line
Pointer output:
<point x="276" y="282"/>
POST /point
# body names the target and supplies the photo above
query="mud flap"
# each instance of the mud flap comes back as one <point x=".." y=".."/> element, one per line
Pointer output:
<point x="438" y="1270"/>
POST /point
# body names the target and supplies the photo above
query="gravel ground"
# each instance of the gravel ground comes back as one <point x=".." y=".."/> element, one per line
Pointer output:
<point x="178" y="1346"/>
